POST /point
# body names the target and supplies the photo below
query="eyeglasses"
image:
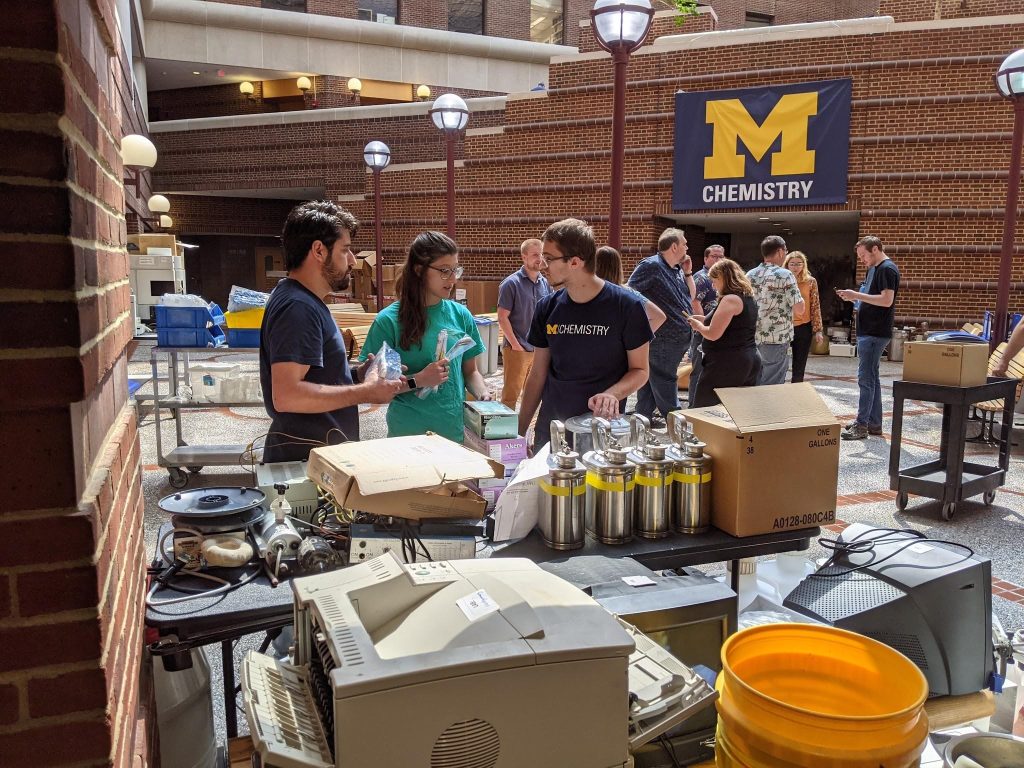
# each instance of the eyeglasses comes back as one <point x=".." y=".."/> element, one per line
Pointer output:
<point x="449" y="272"/>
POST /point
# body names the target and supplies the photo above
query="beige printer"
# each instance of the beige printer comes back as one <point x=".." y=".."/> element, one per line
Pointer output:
<point x="460" y="664"/>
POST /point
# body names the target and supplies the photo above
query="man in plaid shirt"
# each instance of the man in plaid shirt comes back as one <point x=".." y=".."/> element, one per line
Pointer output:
<point x="777" y="294"/>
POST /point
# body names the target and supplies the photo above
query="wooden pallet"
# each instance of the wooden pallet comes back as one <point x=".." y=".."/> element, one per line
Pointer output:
<point x="240" y="752"/>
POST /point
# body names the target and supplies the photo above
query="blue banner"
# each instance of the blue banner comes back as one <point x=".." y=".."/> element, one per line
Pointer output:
<point x="762" y="147"/>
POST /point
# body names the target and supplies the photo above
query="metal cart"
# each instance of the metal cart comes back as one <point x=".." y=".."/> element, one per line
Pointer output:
<point x="949" y="478"/>
<point x="184" y="456"/>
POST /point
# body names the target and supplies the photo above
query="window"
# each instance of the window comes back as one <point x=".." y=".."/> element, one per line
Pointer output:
<point x="383" y="11"/>
<point x="466" y="16"/>
<point x="546" y="20"/>
<point x="285" y="5"/>
<point x="758" y="20"/>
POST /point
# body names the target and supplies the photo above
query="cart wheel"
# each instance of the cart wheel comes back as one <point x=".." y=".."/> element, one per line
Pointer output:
<point x="195" y="470"/>
<point x="948" y="510"/>
<point x="988" y="498"/>
<point x="901" y="500"/>
<point x="177" y="478"/>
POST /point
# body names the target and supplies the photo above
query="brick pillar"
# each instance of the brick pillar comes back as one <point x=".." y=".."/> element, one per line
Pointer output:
<point x="71" y="559"/>
<point x="424" y="13"/>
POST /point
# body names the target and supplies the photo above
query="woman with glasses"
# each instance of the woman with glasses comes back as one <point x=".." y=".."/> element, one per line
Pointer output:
<point x="411" y="326"/>
<point x="730" y="353"/>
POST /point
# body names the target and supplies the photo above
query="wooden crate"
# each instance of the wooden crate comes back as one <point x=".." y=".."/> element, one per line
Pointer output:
<point x="240" y="752"/>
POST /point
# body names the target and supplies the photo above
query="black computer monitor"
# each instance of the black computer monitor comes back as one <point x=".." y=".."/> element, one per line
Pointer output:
<point x="931" y="602"/>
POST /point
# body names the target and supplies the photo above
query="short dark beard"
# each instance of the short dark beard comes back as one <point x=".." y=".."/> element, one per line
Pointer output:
<point x="330" y="274"/>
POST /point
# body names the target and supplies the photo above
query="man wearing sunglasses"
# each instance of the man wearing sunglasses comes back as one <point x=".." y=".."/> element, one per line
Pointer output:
<point x="590" y="340"/>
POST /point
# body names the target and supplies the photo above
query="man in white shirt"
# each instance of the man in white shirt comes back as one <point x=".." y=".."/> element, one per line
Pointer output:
<point x="777" y="294"/>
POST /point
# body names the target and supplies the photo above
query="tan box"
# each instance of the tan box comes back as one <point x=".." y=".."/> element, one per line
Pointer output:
<point x="481" y="296"/>
<point x="955" y="365"/>
<point x="775" y="452"/>
<point x="409" y="477"/>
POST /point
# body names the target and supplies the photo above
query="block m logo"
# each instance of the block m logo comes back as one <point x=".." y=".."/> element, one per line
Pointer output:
<point x="552" y="329"/>
<point x="732" y="123"/>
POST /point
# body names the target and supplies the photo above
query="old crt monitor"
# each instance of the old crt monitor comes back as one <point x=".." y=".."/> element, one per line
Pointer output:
<point x="461" y="664"/>
<point x="930" y="602"/>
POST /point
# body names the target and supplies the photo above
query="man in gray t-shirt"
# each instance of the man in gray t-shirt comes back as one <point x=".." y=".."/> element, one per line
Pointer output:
<point x="518" y="295"/>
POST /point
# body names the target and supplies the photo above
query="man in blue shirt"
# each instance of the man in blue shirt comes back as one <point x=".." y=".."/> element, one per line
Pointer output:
<point x="308" y="388"/>
<point x="666" y="279"/>
<point x="518" y="295"/>
<point x="590" y="340"/>
<point x="704" y="302"/>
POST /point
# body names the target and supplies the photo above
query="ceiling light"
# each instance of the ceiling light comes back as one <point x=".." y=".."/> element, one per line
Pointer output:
<point x="303" y="84"/>
<point x="196" y="73"/>
<point x="246" y="88"/>
<point x="764" y="218"/>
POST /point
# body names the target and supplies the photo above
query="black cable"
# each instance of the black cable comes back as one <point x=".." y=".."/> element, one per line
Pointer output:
<point x="669" y="750"/>
<point x="843" y="548"/>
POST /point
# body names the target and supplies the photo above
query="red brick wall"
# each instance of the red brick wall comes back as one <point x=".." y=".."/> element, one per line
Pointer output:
<point x="507" y="18"/>
<point x="913" y="10"/>
<point x="71" y="560"/>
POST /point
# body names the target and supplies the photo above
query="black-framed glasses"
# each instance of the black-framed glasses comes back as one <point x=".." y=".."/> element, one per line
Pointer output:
<point x="449" y="272"/>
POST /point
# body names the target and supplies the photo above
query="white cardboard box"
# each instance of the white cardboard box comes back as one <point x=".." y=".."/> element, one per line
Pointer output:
<point x="842" y="350"/>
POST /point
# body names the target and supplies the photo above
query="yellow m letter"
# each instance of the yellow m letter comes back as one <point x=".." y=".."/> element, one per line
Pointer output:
<point x="732" y="123"/>
<point x="552" y="329"/>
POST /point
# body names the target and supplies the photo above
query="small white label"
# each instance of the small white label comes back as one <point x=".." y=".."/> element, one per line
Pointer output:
<point x="920" y="549"/>
<point x="638" y="581"/>
<point x="477" y="605"/>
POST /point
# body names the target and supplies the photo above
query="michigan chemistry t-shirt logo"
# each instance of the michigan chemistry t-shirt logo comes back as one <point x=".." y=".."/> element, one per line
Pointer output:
<point x="762" y="147"/>
<point x="577" y="329"/>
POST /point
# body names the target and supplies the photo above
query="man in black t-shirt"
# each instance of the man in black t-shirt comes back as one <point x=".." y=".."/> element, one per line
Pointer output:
<point x="308" y="388"/>
<point x="590" y="338"/>
<point x="875" y="304"/>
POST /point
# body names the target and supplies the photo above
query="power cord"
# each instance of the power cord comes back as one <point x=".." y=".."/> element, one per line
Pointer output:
<point x="866" y="542"/>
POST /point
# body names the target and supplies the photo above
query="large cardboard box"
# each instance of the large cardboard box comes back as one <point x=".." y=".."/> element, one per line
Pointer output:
<point x="481" y="296"/>
<point x="955" y="365"/>
<point x="408" y="477"/>
<point x="775" y="452"/>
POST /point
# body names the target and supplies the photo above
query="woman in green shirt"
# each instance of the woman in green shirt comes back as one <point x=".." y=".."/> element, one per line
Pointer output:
<point x="411" y="326"/>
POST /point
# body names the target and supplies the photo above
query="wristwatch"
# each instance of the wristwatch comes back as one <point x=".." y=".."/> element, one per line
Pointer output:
<point x="412" y="382"/>
<point x="687" y="274"/>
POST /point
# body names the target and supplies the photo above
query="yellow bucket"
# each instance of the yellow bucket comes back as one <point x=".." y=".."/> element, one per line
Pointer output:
<point x="809" y="696"/>
<point x="248" y="318"/>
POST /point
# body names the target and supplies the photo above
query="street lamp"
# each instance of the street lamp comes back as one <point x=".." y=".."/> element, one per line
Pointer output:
<point x="450" y="114"/>
<point x="620" y="26"/>
<point x="377" y="156"/>
<point x="1010" y="84"/>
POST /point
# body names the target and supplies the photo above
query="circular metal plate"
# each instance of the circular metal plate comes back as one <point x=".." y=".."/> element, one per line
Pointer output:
<point x="582" y="423"/>
<point x="233" y="521"/>
<point x="211" y="502"/>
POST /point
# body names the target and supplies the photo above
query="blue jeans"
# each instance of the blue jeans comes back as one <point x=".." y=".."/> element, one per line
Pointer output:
<point x="774" y="363"/>
<point x="662" y="388"/>
<point x="869" y="358"/>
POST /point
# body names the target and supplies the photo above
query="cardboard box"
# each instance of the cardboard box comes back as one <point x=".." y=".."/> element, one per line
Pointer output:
<point x="490" y="419"/>
<point x="955" y="365"/>
<point x="509" y="450"/>
<point x="775" y="458"/>
<point x="481" y="296"/>
<point x="842" y="350"/>
<point x="409" y="477"/>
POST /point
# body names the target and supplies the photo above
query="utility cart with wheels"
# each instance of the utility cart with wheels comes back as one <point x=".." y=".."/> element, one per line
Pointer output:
<point x="949" y="479"/>
<point x="176" y="400"/>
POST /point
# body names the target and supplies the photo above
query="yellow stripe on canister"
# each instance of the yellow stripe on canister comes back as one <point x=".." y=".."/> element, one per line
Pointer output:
<point x="654" y="482"/>
<point x="693" y="479"/>
<point x="594" y="480"/>
<point x="555" y="490"/>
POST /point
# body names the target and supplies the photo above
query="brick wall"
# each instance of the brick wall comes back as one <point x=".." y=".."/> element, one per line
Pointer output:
<point x="507" y="18"/>
<point x="913" y="10"/>
<point x="71" y="563"/>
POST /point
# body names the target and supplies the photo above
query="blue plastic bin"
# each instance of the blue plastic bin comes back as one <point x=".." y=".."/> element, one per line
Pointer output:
<point x="190" y="337"/>
<point x="986" y="327"/>
<point x="243" y="337"/>
<point x="188" y="317"/>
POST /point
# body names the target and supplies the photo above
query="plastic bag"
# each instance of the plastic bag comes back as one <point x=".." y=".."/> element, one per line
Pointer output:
<point x="387" y="363"/>
<point x="453" y="353"/>
<point x="241" y="299"/>
<point x="182" y="300"/>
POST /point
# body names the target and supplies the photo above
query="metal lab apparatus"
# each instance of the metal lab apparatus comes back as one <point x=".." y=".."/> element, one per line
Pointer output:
<point x="610" y="480"/>
<point x="581" y="429"/>
<point x="563" y="506"/>
<point x="655" y="472"/>
<point x="691" y="491"/>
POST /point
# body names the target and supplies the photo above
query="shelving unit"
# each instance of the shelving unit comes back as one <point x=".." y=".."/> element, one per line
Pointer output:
<point x="184" y="456"/>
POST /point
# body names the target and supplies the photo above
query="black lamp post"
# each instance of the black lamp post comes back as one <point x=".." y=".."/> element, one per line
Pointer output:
<point x="1009" y="83"/>
<point x="450" y="114"/>
<point x="620" y="26"/>
<point x="377" y="156"/>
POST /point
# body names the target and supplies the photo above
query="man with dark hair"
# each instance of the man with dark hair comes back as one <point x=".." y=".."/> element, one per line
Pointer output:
<point x="308" y="388"/>
<point x="666" y="279"/>
<point x="590" y="340"/>
<point x="704" y="302"/>
<point x="777" y="295"/>
<point x="875" y="306"/>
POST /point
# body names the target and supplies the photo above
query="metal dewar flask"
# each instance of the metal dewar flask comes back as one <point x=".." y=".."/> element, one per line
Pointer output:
<point x="610" y="480"/>
<point x="563" y="508"/>
<point x="691" y="491"/>
<point x="655" y="473"/>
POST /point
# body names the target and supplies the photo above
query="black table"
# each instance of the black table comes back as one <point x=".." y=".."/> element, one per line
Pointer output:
<point x="674" y="551"/>
<point x="949" y="478"/>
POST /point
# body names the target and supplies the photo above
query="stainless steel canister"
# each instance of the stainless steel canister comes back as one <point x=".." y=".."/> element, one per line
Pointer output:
<point x="610" y="479"/>
<point x="563" y="508"/>
<point x="655" y="472"/>
<point x="691" y="491"/>
<point x="581" y="429"/>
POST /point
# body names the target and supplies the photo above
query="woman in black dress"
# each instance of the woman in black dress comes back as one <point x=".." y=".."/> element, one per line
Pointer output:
<point x="730" y="354"/>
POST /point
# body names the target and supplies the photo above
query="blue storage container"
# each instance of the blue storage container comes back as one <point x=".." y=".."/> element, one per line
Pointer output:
<point x="190" y="337"/>
<point x="986" y="329"/>
<point x="188" y="317"/>
<point x="243" y="337"/>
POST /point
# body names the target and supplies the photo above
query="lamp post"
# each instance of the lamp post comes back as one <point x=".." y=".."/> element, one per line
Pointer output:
<point x="620" y="26"/>
<point x="377" y="156"/>
<point x="450" y="114"/>
<point x="1010" y="84"/>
